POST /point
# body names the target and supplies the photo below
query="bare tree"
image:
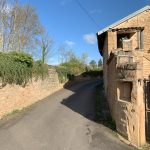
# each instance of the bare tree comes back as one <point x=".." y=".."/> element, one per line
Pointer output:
<point x="62" y="53"/>
<point x="46" y="47"/>
<point x="65" y="54"/>
<point x="84" y="58"/>
<point x="3" y="21"/>
<point x="26" y="28"/>
<point x="19" y="26"/>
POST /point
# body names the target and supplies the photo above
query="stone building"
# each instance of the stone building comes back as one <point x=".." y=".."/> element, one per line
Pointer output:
<point x="125" y="47"/>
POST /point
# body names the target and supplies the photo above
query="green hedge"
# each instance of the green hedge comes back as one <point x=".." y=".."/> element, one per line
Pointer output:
<point x="40" y="70"/>
<point x="22" y="57"/>
<point x="19" y="68"/>
<point x="62" y="73"/>
<point x="93" y="73"/>
<point x="68" y="70"/>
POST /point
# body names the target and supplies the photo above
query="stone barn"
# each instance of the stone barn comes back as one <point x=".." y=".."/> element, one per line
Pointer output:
<point x="125" y="47"/>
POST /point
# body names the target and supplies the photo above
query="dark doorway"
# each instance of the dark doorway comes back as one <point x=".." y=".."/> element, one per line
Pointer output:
<point x="147" y="108"/>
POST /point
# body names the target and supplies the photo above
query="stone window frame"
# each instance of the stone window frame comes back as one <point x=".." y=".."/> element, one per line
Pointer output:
<point x="124" y="97"/>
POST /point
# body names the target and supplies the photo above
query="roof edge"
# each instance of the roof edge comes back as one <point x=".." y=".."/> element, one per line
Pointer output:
<point x="124" y="19"/>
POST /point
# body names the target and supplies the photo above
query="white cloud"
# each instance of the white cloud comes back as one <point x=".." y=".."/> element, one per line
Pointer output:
<point x="69" y="43"/>
<point x="94" y="11"/>
<point x="90" y="38"/>
<point x="64" y="2"/>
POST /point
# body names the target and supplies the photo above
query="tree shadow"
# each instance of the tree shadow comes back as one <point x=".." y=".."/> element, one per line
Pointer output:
<point x="88" y="100"/>
<point x="83" y="99"/>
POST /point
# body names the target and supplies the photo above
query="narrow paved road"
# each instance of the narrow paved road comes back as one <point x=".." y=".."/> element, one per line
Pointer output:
<point x="63" y="121"/>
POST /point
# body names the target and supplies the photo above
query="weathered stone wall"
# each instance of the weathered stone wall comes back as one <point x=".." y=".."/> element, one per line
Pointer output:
<point x="146" y="67"/>
<point x="112" y="92"/>
<point x="129" y="115"/>
<point x="14" y="97"/>
<point x="112" y="41"/>
<point x="141" y="20"/>
<point x="105" y="58"/>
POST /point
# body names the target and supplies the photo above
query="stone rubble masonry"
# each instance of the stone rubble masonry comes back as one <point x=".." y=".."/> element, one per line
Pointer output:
<point x="15" y="97"/>
<point x="128" y="115"/>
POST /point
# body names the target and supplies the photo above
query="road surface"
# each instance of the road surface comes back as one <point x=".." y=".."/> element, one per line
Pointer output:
<point x="62" y="121"/>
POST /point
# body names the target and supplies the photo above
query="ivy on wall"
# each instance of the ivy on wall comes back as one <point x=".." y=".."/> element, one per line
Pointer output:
<point x="19" y="68"/>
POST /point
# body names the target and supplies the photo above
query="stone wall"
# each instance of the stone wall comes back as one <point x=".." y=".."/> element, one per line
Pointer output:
<point x="128" y="114"/>
<point x="105" y="58"/>
<point x="146" y="67"/>
<point x="112" y="92"/>
<point x="15" y="97"/>
<point x="141" y="20"/>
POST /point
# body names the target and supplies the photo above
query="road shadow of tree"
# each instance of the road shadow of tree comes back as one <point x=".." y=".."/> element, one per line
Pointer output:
<point x="81" y="101"/>
<point x="88" y="100"/>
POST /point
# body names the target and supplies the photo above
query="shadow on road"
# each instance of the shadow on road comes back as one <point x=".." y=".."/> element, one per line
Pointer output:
<point x="88" y="100"/>
<point x="83" y="99"/>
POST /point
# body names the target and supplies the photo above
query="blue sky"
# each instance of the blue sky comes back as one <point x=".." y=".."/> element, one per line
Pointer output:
<point x="67" y="23"/>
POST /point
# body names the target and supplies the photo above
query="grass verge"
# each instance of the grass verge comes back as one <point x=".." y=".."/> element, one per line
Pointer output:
<point x="14" y="111"/>
<point x="103" y="115"/>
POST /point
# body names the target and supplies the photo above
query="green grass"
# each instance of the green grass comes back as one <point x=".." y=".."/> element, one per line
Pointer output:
<point x="145" y="147"/>
<point x="14" y="111"/>
<point x="101" y="109"/>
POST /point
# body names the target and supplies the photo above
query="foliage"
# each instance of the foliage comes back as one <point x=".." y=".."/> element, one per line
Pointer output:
<point x="18" y="68"/>
<point x="102" y="109"/>
<point x="62" y="73"/>
<point x="93" y="73"/>
<point x="14" y="70"/>
<point x="84" y="58"/>
<point x="100" y="63"/>
<point x="40" y="70"/>
<point x="74" y="66"/>
<point x="67" y="71"/>
<point x="46" y="47"/>
<point x="93" y="64"/>
<point x="22" y="57"/>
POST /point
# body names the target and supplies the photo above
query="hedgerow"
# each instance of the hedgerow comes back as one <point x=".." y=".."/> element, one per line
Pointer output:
<point x="19" y="68"/>
<point x="40" y="70"/>
<point x="68" y="70"/>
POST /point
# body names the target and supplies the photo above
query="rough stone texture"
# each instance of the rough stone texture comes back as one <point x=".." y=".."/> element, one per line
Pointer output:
<point x="129" y="116"/>
<point x="132" y="67"/>
<point x="105" y="58"/>
<point x="14" y="97"/>
<point x="141" y="20"/>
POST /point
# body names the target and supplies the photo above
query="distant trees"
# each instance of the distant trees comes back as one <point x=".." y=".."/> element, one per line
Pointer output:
<point x="71" y="65"/>
<point x="21" y="30"/>
<point x="65" y="54"/>
<point x="100" y="63"/>
<point x="19" y="26"/>
<point x="84" y="58"/>
<point x="93" y="64"/>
